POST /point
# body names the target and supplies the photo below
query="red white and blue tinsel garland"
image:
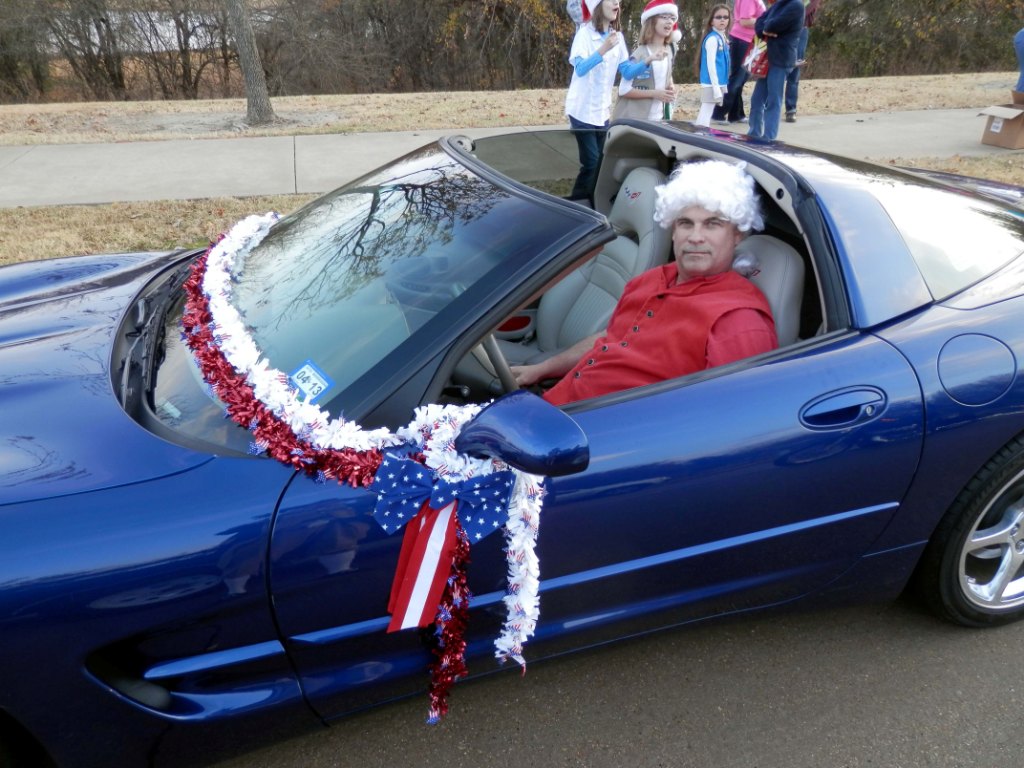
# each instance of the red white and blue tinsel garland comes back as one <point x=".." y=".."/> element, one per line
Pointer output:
<point x="302" y="436"/>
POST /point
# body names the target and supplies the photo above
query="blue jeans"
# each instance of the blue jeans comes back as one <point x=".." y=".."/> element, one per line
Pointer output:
<point x="590" y="142"/>
<point x="732" y="105"/>
<point x="766" y="104"/>
<point x="793" y="80"/>
<point x="1018" y="44"/>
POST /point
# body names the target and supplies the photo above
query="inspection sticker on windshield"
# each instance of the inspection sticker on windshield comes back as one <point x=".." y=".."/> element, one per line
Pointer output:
<point x="310" y="381"/>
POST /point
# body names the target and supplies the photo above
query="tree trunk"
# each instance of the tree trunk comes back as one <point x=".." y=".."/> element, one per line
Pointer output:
<point x="259" y="111"/>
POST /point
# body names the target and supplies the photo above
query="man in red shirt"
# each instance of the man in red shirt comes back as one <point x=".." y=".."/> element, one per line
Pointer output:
<point x="691" y="314"/>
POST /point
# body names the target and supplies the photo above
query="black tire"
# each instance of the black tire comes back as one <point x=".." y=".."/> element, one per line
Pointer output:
<point x="972" y="571"/>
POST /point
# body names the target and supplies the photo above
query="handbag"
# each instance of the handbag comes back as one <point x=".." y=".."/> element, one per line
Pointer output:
<point x="756" y="59"/>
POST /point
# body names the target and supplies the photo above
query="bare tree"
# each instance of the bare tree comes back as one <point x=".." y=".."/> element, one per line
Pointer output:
<point x="176" y="43"/>
<point x="121" y="49"/>
<point x="259" y="110"/>
<point x="87" y="34"/>
<point x="23" y="64"/>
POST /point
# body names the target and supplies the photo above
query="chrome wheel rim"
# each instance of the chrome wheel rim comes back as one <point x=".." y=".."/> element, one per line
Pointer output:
<point x="991" y="569"/>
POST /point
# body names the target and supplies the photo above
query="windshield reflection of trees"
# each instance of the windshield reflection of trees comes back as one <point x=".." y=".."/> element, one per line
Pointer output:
<point x="327" y="251"/>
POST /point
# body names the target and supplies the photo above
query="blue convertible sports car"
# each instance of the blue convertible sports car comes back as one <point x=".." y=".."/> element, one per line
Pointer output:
<point x="167" y="589"/>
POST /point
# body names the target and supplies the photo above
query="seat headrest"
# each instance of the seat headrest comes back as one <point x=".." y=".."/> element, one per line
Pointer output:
<point x="780" y="278"/>
<point x="633" y="209"/>
<point x="625" y="165"/>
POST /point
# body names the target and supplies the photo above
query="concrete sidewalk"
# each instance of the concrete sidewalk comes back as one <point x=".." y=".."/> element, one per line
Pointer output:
<point x="160" y="170"/>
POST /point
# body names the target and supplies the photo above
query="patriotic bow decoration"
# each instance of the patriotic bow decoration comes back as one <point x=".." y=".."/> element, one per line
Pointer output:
<point x="481" y="501"/>
<point x="401" y="486"/>
<point x="407" y="494"/>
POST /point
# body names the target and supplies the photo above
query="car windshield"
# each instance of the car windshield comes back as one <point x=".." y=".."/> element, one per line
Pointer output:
<point x="339" y="285"/>
<point x="383" y="268"/>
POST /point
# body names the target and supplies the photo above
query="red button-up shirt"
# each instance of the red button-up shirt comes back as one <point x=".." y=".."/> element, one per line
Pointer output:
<point x="662" y="329"/>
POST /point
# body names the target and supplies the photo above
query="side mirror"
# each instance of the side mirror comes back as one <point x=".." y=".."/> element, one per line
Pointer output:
<point x="527" y="433"/>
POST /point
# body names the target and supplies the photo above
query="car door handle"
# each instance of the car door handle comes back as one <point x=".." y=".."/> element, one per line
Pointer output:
<point x="843" y="408"/>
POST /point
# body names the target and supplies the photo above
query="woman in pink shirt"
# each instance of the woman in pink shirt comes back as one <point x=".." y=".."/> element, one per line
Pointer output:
<point x="745" y="13"/>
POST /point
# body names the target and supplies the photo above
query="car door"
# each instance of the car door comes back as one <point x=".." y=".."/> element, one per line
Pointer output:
<point x="747" y="487"/>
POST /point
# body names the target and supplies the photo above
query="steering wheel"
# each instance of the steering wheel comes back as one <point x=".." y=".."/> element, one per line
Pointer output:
<point x="488" y="354"/>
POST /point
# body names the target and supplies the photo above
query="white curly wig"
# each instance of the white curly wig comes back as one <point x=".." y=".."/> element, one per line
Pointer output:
<point x="715" y="185"/>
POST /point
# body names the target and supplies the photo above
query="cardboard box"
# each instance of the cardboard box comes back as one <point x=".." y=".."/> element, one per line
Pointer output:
<point x="1005" y="126"/>
<point x="1018" y="97"/>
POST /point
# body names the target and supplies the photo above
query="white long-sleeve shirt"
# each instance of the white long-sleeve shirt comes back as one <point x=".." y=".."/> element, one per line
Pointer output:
<point x="589" y="99"/>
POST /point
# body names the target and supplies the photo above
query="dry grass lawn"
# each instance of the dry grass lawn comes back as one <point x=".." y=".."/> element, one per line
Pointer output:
<point x="45" y="232"/>
<point x="49" y="231"/>
<point x="216" y="118"/>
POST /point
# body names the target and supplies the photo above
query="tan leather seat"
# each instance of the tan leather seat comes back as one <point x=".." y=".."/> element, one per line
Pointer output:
<point x="582" y="303"/>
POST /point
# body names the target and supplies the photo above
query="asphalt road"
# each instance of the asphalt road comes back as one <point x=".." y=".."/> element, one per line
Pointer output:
<point x="879" y="686"/>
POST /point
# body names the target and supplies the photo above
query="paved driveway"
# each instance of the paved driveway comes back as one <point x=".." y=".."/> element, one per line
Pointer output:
<point x="876" y="687"/>
<point x="167" y="170"/>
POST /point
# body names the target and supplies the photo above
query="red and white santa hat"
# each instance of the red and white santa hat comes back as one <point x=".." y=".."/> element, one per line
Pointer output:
<point x="663" y="8"/>
<point x="588" y="9"/>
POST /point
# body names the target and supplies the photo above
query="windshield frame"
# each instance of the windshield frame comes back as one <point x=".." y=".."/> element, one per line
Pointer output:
<point x="421" y="377"/>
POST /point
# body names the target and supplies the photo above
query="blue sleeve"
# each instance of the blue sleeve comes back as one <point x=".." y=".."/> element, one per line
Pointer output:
<point x="631" y="69"/>
<point x="583" y="66"/>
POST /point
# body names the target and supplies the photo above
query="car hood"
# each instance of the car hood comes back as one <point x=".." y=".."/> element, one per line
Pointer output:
<point x="64" y="431"/>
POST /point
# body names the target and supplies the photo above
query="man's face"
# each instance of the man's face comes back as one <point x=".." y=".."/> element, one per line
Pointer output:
<point x="703" y="242"/>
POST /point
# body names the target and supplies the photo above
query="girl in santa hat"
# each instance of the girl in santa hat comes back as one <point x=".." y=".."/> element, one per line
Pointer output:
<point x="598" y="53"/>
<point x="651" y="94"/>
<point x="714" y="63"/>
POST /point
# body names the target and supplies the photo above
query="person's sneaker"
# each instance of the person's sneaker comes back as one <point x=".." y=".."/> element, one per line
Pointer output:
<point x="791" y="117"/>
<point x="720" y="122"/>
<point x="742" y="120"/>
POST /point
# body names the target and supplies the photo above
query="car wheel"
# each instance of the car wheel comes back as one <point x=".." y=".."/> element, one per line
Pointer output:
<point x="972" y="571"/>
